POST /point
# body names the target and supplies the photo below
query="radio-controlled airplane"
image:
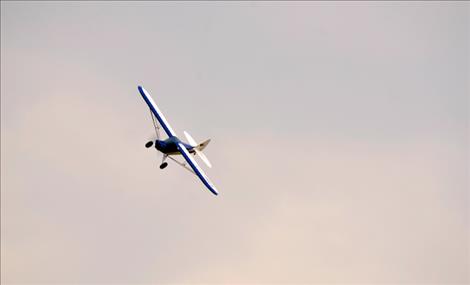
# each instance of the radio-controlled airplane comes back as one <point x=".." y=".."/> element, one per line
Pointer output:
<point x="174" y="146"/>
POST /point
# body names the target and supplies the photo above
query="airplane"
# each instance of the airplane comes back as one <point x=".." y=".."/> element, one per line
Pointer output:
<point x="174" y="146"/>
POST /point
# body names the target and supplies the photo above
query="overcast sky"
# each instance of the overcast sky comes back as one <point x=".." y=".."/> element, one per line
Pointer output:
<point x="339" y="142"/>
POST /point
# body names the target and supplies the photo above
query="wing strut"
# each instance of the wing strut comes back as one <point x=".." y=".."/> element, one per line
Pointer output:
<point x="155" y="125"/>
<point x="182" y="164"/>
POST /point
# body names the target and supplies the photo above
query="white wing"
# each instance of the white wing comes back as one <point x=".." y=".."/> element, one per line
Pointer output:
<point x="158" y="114"/>
<point x="187" y="156"/>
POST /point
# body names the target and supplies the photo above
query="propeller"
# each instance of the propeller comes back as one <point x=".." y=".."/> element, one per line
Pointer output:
<point x="193" y="143"/>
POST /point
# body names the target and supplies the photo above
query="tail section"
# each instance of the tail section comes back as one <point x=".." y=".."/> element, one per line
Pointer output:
<point x="203" y="145"/>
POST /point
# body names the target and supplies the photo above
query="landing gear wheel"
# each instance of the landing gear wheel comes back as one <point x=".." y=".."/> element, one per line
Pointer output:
<point x="163" y="165"/>
<point x="149" y="144"/>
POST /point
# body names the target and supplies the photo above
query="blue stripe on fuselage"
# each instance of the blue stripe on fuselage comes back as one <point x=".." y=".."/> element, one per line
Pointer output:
<point x="170" y="145"/>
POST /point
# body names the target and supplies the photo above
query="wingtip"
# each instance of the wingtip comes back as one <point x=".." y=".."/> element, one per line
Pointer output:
<point x="214" y="190"/>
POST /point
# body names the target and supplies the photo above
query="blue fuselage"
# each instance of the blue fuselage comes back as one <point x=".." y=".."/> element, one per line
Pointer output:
<point x="170" y="146"/>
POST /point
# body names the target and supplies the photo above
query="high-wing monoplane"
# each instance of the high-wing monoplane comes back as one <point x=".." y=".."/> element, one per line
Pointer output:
<point x="173" y="146"/>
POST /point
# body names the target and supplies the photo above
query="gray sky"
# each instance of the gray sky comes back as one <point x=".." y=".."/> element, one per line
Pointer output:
<point x="339" y="142"/>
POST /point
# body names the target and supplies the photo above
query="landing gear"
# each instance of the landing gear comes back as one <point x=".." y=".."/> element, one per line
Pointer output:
<point x="164" y="164"/>
<point x="149" y="144"/>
